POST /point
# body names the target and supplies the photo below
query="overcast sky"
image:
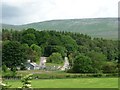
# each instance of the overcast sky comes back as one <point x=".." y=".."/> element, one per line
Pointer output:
<point x="28" y="11"/>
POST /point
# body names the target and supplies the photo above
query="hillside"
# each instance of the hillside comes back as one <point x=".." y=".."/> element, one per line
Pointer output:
<point x="96" y="27"/>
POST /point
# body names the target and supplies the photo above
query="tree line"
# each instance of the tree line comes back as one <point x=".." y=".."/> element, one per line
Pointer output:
<point x="86" y="54"/>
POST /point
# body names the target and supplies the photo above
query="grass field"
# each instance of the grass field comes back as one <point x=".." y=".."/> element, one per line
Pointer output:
<point x="70" y="83"/>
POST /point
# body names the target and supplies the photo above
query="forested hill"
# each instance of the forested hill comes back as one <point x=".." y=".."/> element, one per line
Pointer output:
<point x="97" y="27"/>
<point x="85" y="55"/>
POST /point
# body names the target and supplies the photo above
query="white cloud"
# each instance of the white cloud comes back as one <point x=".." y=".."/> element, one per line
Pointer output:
<point x="41" y="10"/>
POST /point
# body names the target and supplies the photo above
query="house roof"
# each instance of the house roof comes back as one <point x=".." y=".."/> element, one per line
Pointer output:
<point x="34" y="64"/>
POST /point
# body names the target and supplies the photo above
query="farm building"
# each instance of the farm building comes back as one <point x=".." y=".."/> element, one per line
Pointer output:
<point x="32" y="65"/>
<point x="66" y="64"/>
<point x="43" y="62"/>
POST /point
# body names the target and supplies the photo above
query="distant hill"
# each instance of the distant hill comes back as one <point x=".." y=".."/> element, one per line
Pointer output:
<point x="95" y="27"/>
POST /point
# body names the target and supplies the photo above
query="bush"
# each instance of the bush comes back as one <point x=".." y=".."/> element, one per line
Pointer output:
<point x="4" y="68"/>
<point x="82" y="64"/>
<point x="55" y="58"/>
<point x="4" y="86"/>
<point x="110" y="67"/>
<point x="69" y="75"/>
<point x="27" y="81"/>
<point x="9" y="73"/>
<point x="98" y="75"/>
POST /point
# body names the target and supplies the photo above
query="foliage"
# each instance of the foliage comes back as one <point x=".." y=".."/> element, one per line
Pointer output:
<point x="29" y="39"/>
<point x="4" y="68"/>
<point x="110" y="67"/>
<point x="4" y="86"/>
<point x="19" y="46"/>
<point x="55" y="58"/>
<point x="36" y="48"/>
<point x="26" y="80"/>
<point x="97" y="59"/>
<point x="82" y="64"/>
<point x="69" y="43"/>
<point x="37" y="51"/>
<point x="7" y="72"/>
<point x="55" y="48"/>
<point x="12" y="54"/>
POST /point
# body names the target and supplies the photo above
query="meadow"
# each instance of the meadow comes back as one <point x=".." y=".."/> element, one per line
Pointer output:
<point x="69" y="83"/>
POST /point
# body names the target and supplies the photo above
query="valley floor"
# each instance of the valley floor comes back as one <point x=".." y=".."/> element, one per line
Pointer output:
<point x="69" y="83"/>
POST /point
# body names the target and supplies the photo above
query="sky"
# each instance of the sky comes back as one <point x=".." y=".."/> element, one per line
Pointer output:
<point x="19" y="12"/>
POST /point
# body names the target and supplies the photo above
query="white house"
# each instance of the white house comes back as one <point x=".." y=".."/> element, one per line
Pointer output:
<point x="32" y="65"/>
<point x="42" y="62"/>
<point x="66" y="64"/>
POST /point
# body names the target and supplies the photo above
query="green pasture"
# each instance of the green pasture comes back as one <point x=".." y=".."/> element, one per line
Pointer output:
<point x="69" y="83"/>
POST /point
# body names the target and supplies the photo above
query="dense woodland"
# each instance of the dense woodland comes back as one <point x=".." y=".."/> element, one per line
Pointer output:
<point x="86" y="54"/>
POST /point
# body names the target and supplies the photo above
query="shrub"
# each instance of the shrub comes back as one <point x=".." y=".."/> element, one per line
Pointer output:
<point x="109" y="67"/>
<point x="82" y="64"/>
<point x="55" y="58"/>
<point x="26" y="81"/>
<point x="4" y="86"/>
